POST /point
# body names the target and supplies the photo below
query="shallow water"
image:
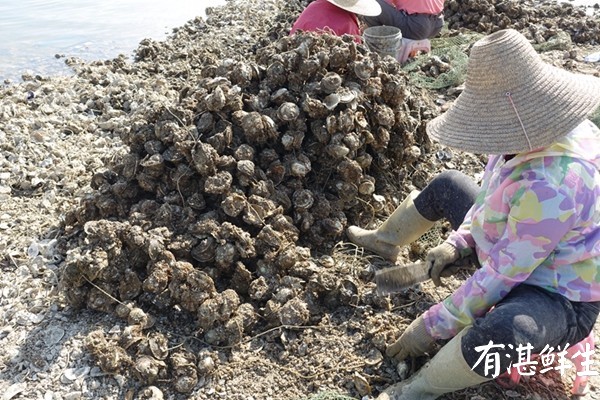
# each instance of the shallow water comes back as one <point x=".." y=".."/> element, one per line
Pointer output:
<point x="34" y="32"/>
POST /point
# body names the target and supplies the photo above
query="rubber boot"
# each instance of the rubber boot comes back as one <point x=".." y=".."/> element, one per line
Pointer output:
<point x="403" y="227"/>
<point x="446" y="372"/>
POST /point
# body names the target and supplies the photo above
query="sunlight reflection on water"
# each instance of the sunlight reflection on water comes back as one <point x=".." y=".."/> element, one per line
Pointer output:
<point x="34" y="31"/>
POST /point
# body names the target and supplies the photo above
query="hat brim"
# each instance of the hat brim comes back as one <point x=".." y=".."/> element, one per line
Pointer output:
<point x="523" y="120"/>
<point x="369" y="8"/>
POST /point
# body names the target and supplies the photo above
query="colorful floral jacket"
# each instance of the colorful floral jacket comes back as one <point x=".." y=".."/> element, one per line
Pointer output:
<point x="535" y="221"/>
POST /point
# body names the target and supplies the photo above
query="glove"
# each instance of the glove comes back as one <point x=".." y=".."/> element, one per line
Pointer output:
<point x="414" y="342"/>
<point x="439" y="258"/>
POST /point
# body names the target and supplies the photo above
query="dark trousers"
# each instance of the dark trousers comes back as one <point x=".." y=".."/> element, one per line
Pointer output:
<point x="527" y="320"/>
<point x="524" y="322"/>
<point x="412" y="26"/>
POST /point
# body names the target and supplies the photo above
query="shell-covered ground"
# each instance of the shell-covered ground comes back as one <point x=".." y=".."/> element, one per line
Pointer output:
<point x="173" y="227"/>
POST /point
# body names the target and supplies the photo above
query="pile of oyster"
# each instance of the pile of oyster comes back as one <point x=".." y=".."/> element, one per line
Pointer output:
<point x="246" y="163"/>
<point x="540" y="21"/>
<point x="231" y="198"/>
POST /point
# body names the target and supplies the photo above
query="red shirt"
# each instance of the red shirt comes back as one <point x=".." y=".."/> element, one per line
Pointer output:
<point x="321" y="15"/>
<point x="433" y="7"/>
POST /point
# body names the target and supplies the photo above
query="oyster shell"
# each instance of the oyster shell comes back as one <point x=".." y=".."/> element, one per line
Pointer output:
<point x="331" y="82"/>
<point x="148" y="370"/>
<point x="288" y="111"/>
<point x="331" y="101"/>
<point x="257" y="128"/>
<point x="219" y="183"/>
<point x="234" y="204"/>
<point x="364" y="68"/>
<point x="216" y="100"/>
<point x="294" y="312"/>
<point x="303" y="199"/>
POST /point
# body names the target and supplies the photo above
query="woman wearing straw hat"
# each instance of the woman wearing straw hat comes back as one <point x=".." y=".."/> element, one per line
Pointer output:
<point x="335" y="16"/>
<point x="533" y="226"/>
<point x="416" y="20"/>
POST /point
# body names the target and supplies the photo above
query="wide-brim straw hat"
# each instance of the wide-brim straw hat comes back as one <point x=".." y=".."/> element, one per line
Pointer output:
<point x="370" y="8"/>
<point x="513" y="102"/>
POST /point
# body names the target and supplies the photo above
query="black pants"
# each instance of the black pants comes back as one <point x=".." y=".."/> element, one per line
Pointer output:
<point x="528" y="318"/>
<point x="412" y="26"/>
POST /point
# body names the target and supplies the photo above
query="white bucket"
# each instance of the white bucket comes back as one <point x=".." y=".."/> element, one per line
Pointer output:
<point x="385" y="40"/>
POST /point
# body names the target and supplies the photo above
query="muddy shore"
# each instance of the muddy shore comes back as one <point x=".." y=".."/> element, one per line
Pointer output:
<point x="121" y="183"/>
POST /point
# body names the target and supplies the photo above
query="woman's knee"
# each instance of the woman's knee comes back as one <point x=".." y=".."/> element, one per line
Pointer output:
<point x="484" y="331"/>
<point x="449" y="177"/>
<point x="505" y="330"/>
<point x="488" y="348"/>
<point x="449" y="195"/>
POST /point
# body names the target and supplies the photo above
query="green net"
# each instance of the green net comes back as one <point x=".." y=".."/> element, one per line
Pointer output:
<point x="595" y="117"/>
<point x="445" y="65"/>
<point x="462" y="40"/>
<point x="560" y="41"/>
<point x="328" y="396"/>
<point x="432" y="237"/>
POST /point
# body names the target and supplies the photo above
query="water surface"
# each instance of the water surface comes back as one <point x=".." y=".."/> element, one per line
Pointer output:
<point x="33" y="32"/>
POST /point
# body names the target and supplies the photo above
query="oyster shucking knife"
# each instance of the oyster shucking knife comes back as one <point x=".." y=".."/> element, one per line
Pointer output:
<point x="400" y="277"/>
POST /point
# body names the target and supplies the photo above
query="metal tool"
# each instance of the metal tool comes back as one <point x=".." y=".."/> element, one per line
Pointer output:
<point x="400" y="277"/>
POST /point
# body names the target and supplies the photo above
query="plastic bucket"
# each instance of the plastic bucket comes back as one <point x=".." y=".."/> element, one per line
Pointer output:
<point x="385" y="40"/>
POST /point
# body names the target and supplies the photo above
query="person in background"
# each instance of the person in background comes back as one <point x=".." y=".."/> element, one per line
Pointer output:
<point x="337" y="17"/>
<point x="416" y="20"/>
<point x="533" y="226"/>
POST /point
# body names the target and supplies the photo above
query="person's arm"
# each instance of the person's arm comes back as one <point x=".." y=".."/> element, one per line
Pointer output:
<point x="539" y="215"/>
<point x="461" y="238"/>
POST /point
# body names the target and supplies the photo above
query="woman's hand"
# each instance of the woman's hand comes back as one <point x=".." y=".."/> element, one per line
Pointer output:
<point x="414" y="342"/>
<point x="439" y="258"/>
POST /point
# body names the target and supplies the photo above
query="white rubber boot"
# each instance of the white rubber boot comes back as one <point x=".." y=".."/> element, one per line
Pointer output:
<point x="403" y="227"/>
<point x="446" y="372"/>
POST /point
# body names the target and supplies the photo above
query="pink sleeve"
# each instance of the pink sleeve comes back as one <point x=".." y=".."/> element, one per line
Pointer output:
<point x="419" y="7"/>
<point x="462" y="238"/>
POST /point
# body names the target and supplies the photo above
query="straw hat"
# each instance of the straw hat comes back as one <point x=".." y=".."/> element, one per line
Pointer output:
<point x="513" y="102"/>
<point x="370" y="8"/>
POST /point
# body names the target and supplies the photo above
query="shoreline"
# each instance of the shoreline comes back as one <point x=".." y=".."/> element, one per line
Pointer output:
<point x="42" y="36"/>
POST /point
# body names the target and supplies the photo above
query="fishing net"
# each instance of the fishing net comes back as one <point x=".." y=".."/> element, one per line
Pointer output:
<point x="560" y="41"/>
<point x="445" y="65"/>
<point x="432" y="237"/>
<point x="328" y="396"/>
<point x="595" y="117"/>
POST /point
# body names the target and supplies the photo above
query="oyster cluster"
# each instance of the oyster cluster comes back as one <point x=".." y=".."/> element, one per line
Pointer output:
<point x="229" y="192"/>
<point x="539" y="22"/>
<point x="259" y="163"/>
